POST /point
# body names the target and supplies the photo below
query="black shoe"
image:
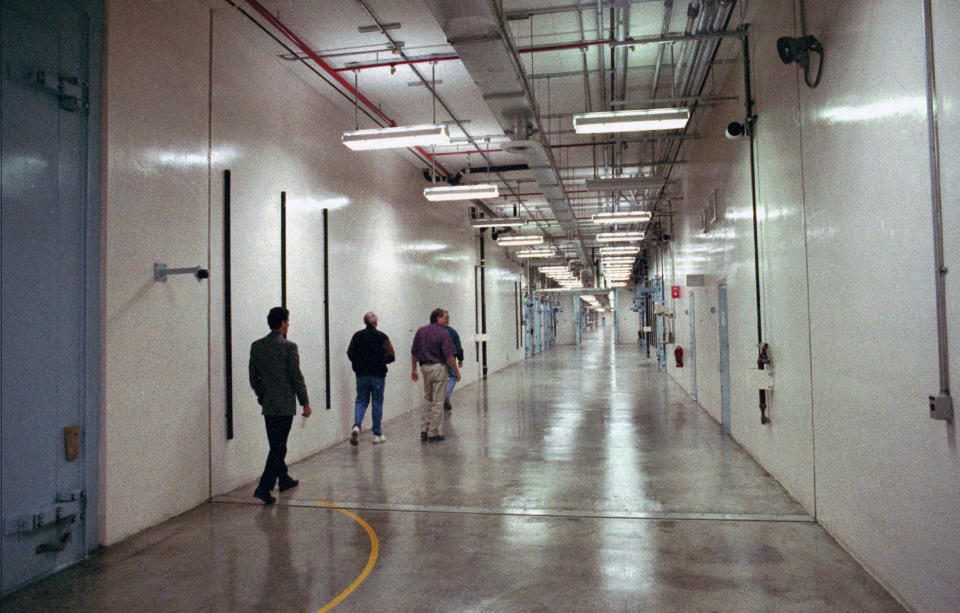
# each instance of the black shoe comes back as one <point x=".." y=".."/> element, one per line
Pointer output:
<point x="354" y="436"/>
<point x="289" y="484"/>
<point x="447" y="406"/>
<point x="423" y="436"/>
<point x="436" y="439"/>
<point x="264" y="496"/>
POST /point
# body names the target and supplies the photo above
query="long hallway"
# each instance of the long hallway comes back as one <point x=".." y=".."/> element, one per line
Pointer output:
<point x="581" y="479"/>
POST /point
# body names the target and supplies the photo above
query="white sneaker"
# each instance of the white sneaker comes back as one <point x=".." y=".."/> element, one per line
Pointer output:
<point x="354" y="436"/>
<point x="379" y="439"/>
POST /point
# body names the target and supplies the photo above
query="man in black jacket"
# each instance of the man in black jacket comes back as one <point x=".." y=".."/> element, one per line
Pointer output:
<point x="370" y="351"/>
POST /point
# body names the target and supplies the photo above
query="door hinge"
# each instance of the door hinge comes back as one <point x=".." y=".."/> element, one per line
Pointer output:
<point x="67" y="509"/>
<point x="72" y="93"/>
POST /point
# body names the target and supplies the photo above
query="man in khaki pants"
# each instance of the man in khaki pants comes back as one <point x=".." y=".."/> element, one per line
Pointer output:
<point x="433" y="350"/>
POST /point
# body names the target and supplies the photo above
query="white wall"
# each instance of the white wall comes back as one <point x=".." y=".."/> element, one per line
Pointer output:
<point x="154" y="456"/>
<point x="171" y="132"/>
<point x="845" y="234"/>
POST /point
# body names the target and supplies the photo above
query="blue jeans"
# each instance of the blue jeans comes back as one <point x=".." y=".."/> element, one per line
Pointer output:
<point x="367" y="388"/>
<point x="451" y="381"/>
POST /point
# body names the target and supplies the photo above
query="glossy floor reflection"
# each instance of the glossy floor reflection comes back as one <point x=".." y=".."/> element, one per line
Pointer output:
<point x="579" y="480"/>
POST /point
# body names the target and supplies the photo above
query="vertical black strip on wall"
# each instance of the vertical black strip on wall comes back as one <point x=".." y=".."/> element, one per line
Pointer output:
<point x="483" y="306"/>
<point x="516" y="311"/>
<point x="283" y="249"/>
<point x="227" y="323"/>
<point x="326" y="303"/>
<point x="476" y="308"/>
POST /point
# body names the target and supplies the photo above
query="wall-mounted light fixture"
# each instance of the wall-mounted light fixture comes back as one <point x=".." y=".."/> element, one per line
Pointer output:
<point x="545" y="252"/>
<point x="460" y="192"/>
<point x="602" y="185"/>
<point x="640" y="120"/>
<point x="622" y="217"/>
<point x="514" y="241"/>
<point x="611" y="237"/>
<point x="496" y="222"/>
<point x="396" y="137"/>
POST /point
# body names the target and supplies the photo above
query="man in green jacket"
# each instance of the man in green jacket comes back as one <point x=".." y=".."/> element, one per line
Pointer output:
<point x="278" y="383"/>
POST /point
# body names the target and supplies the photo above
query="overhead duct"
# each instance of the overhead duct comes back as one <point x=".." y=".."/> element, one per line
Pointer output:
<point x="477" y="34"/>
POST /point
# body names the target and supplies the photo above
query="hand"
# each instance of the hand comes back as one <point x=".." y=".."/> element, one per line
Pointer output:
<point x="459" y="363"/>
<point x="458" y="375"/>
<point x="413" y="376"/>
<point x="307" y="411"/>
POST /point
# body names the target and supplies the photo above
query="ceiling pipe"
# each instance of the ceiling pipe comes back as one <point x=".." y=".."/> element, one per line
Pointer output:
<point x="667" y="15"/>
<point x="613" y="42"/>
<point x="310" y="53"/>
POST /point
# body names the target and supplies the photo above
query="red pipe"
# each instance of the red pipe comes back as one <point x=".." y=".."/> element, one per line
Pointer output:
<point x="332" y="72"/>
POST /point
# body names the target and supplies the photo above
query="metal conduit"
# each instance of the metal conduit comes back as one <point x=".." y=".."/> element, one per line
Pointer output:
<point x="288" y="33"/>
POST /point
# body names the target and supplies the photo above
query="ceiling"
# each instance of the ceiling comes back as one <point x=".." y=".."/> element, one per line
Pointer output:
<point x="507" y="77"/>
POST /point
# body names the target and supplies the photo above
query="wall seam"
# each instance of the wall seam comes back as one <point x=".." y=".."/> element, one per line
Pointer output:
<point x="806" y="273"/>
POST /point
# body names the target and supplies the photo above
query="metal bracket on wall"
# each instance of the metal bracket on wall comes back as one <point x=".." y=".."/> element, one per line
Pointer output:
<point x="161" y="272"/>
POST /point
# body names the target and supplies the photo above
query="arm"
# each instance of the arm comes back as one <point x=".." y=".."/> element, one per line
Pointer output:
<point x="452" y="363"/>
<point x="413" y="367"/>
<point x="296" y="379"/>
<point x="352" y="349"/>
<point x="458" y="346"/>
<point x="389" y="354"/>
<point x="256" y="379"/>
<point x="449" y="351"/>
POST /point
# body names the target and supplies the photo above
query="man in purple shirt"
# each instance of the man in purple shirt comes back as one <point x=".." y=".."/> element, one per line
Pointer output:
<point x="433" y="350"/>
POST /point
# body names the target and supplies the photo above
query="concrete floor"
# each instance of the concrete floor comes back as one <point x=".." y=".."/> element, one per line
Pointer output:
<point x="579" y="480"/>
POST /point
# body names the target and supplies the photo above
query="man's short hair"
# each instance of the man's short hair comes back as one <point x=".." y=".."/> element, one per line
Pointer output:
<point x="277" y="316"/>
<point x="369" y="318"/>
<point x="435" y="314"/>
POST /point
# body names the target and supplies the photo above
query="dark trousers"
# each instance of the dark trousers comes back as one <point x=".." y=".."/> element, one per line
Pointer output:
<point x="278" y="429"/>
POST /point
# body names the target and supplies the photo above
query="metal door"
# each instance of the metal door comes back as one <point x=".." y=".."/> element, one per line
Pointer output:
<point x="691" y="361"/>
<point x="50" y="246"/>
<point x="724" y="357"/>
<point x="528" y="323"/>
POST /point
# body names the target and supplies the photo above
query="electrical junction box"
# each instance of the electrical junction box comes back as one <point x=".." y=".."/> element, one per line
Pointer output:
<point x="661" y="309"/>
<point x="761" y="379"/>
<point x="697" y="280"/>
<point x="941" y="407"/>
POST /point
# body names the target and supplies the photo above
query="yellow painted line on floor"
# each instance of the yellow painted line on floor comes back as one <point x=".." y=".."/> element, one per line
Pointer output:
<point x="374" y="552"/>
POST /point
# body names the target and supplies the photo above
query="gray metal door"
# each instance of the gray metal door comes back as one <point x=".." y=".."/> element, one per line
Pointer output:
<point x="724" y="357"/>
<point x="693" y="346"/>
<point x="48" y="405"/>
<point x="528" y="323"/>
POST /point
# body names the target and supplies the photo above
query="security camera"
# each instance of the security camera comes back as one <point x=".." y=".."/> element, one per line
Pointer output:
<point x="735" y="130"/>
<point x="798" y="49"/>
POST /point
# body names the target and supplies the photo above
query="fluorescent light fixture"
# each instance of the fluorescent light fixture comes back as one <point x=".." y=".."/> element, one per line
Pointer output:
<point x="619" y="250"/>
<point x="513" y="241"/>
<point x="396" y="137"/>
<point x="553" y="269"/>
<point x="622" y="217"/>
<point x="535" y="253"/>
<point x="460" y="192"/>
<point x="639" y="120"/>
<point x="617" y="284"/>
<point x="625" y="259"/>
<point x="496" y="222"/>
<point x="610" y="237"/>
<point x="622" y="183"/>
